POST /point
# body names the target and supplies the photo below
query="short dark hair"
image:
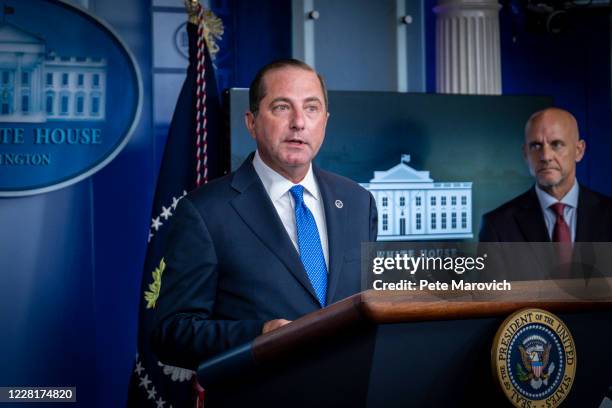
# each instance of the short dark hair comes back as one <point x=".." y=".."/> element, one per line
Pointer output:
<point x="257" y="90"/>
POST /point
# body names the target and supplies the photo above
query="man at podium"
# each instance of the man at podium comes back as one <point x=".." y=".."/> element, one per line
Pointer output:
<point x="275" y="240"/>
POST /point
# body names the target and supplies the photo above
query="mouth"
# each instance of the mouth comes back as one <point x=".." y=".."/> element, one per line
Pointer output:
<point x="547" y="169"/>
<point x="295" y="142"/>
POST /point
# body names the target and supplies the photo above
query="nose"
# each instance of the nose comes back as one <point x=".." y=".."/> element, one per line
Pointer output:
<point x="546" y="153"/>
<point x="297" y="120"/>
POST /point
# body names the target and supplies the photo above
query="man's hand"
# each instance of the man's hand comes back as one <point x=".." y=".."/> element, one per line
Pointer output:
<point x="273" y="325"/>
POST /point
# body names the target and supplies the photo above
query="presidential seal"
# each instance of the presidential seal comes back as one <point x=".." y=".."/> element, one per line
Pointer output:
<point x="534" y="359"/>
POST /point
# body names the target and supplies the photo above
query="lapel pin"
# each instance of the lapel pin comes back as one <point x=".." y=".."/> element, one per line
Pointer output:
<point x="339" y="204"/>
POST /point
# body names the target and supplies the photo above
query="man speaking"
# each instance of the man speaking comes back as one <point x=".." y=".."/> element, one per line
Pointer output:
<point x="277" y="239"/>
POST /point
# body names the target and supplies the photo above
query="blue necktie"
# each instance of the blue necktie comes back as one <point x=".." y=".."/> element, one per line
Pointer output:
<point x="309" y="242"/>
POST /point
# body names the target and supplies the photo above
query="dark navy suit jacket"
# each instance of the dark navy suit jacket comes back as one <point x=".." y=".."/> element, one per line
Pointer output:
<point x="521" y="219"/>
<point x="231" y="266"/>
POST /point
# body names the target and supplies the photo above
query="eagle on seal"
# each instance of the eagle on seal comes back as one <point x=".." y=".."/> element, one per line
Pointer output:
<point x="534" y="362"/>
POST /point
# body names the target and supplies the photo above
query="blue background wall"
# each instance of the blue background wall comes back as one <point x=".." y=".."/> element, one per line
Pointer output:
<point x="71" y="260"/>
<point x="573" y="67"/>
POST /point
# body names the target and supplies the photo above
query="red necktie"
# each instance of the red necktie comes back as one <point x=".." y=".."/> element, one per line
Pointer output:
<point x="562" y="234"/>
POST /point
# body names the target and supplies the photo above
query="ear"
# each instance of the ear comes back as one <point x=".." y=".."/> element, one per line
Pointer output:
<point x="580" y="148"/>
<point x="249" y="121"/>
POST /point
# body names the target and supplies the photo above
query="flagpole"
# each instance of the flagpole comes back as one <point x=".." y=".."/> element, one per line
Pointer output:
<point x="154" y="383"/>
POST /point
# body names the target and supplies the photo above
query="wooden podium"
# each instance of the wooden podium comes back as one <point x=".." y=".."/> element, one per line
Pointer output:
<point x="405" y="349"/>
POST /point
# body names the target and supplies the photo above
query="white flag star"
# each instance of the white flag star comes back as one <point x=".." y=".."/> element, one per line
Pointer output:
<point x="166" y="213"/>
<point x="160" y="403"/>
<point x="156" y="223"/>
<point x="138" y="368"/>
<point x="152" y="393"/>
<point x="144" y="382"/>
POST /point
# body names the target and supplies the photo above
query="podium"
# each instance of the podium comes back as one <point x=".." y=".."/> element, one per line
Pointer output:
<point x="417" y="349"/>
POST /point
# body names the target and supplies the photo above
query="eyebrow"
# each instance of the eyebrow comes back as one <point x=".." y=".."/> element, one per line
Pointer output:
<point x="313" y="99"/>
<point x="536" y="142"/>
<point x="283" y="99"/>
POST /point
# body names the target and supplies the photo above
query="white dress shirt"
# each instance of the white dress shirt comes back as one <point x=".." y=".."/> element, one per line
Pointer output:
<point x="569" y="212"/>
<point x="278" y="187"/>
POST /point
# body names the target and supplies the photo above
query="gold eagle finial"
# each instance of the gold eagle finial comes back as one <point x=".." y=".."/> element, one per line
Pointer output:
<point x="213" y="25"/>
<point x="192" y="7"/>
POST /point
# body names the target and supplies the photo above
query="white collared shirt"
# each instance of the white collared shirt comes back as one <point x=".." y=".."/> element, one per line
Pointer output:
<point x="278" y="187"/>
<point x="569" y="212"/>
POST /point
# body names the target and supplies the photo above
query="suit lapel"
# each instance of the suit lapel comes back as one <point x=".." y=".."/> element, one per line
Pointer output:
<point x="586" y="218"/>
<point x="530" y="220"/>
<point x="253" y="205"/>
<point x="587" y="221"/>
<point x="335" y="218"/>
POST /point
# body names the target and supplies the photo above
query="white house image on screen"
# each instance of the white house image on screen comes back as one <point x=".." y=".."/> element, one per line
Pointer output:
<point x="37" y="86"/>
<point x="411" y="206"/>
